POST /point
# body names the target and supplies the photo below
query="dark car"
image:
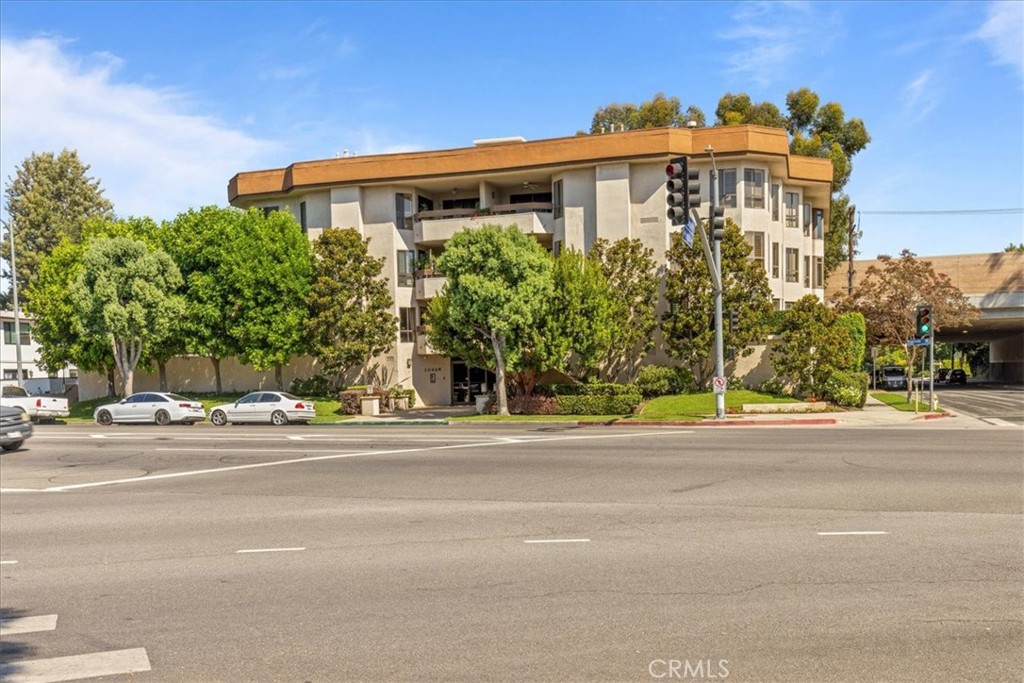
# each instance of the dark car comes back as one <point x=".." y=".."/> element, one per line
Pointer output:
<point x="942" y="375"/>
<point x="957" y="376"/>
<point x="15" y="427"/>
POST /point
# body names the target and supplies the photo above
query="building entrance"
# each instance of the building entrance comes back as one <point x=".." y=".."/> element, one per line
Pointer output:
<point x="469" y="382"/>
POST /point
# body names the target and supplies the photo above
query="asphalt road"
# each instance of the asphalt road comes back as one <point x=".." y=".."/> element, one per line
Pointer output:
<point x="515" y="554"/>
<point x="992" y="403"/>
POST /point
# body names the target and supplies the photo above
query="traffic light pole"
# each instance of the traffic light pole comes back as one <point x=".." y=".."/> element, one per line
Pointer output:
<point x="931" y="369"/>
<point x="717" y="279"/>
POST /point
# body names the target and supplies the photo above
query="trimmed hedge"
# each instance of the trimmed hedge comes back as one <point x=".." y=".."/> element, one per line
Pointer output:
<point x="848" y="389"/>
<point x="662" y="380"/>
<point x="593" y="389"/>
<point x="622" y="403"/>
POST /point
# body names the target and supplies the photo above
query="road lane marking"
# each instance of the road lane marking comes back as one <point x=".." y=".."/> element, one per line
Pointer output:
<point x="560" y="540"/>
<point x="13" y="625"/>
<point x="338" y="456"/>
<point x="8" y="562"/>
<point x="267" y="550"/>
<point x="211" y="437"/>
<point x="214" y="449"/>
<point x="295" y="438"/>
<point x="98" y="436"/>
<point x="110" y="663"/>
<point x="853" y="533"/>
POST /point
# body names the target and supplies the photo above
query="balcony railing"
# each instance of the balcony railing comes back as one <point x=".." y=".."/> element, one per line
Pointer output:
<point x="429" y="286"/>
<point x="440" y="225"/>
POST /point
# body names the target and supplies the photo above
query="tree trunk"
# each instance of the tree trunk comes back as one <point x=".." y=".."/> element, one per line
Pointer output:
<point x="277" y="378"/>
<point x="111" y="384"/>
<point x="216" y="372"/>
<point x="162" y="372"/>
<point x="498" y="343"/>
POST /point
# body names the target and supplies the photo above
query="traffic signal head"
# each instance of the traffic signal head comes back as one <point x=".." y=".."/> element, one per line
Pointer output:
<point x="683" y="190"/>
<point x="924" y="321"/>
<point x="718" y="223"/>
<point x="734" y="322"/>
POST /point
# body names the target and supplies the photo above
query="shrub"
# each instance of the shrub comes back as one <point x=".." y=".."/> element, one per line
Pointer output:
<point x="534" y="405"/>
<point x="351" y="401"/>
<point x="317" y="385"/>
<point x="593" y="389"/>
<point x="662" y="380"/>
<point x="773" y="386"/>
<point x="849" y="389"/>
<point x="619" y="404"/>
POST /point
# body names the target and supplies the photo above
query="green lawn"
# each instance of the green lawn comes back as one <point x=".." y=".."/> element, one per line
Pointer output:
<point x="900" y="402"/>
<point x="327" y="409"/>
<point x="695" y="407"/>
<point x="535" y="418"/>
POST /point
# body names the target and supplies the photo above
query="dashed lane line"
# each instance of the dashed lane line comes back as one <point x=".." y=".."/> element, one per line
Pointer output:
<point x="110" y="663"/>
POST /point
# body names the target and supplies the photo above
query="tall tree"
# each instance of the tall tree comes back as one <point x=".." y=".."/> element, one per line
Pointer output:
<point x="50" y="197"/>
<point x="126" y="292"/>
<point x="812" y="346"/>
<point x="687" y="325"/>
<point x="656" y="112"/>
<point x="200" y="242"/>
<point x="890" y="293"/>
<point x="350" y="306"/>
<point x="498" y="282"/>
<point x="269" y="269"/>
<point x="632" y="275"/>
<point x="575" y="323"/>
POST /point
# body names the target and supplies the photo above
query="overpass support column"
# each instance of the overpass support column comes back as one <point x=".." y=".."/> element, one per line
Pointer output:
<point x="1006" y="360"/>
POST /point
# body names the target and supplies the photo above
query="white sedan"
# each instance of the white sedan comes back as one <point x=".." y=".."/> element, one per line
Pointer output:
<point x="275" y="407"/>
<point x="151" y="406"/>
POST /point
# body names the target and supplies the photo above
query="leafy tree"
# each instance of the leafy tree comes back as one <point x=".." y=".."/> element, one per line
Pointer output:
<point x="200" y="243"/>
<point x="656" y="112"/>
<point x="575" y="322"/>
<point x="632" y="276"/>
<point x="350" y="307"/>
<point x="850" y="356"/>
<point x="687" y="325"/>
<point x="890" y="293"/>
<point x="50" y="198"/>
<point x="269" y="269"/>
<point x="126" y="292"/>
<point x="498" y="282"/>
<point x="1015" y="248"/>
<point x="734" y="110"/>
<point x="812" y="346"/>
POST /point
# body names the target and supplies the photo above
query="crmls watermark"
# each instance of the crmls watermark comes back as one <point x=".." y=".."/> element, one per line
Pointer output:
<point x="701" y="669"/>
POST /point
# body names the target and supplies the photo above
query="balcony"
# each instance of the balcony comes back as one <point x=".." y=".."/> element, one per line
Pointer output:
<point x="438" y="226"/>
<point x="423" y="347"/>
<point x="428" y="285"/>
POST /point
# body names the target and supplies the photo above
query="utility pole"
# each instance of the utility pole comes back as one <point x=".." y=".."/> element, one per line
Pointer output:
<point x="849" y="249"/>
<point x="17" y="312"/>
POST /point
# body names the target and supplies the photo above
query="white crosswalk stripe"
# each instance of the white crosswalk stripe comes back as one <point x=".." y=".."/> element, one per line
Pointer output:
<point x="13" y="625"/>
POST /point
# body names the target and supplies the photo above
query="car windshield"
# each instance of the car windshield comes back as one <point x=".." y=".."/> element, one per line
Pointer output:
<point x="176" y="397"/>
<point x="893" y="371"/>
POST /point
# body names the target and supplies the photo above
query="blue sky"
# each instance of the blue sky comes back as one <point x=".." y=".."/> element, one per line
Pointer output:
<point x="167" y="101"/>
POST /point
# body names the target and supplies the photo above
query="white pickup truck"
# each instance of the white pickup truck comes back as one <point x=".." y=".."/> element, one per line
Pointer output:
<point x="37" y="407"/>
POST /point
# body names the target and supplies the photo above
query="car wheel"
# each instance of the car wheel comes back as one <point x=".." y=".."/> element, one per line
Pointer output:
<point x="218" y="418"/>
<point x="162" y="418"/>
<point x="279" y="418"/>
<point x="13" y="446"/>
<point x="104" y="418"/>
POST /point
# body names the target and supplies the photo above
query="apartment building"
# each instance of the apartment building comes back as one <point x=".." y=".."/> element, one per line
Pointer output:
<point x="33" y="376"/>
<point x="565" y="192"/>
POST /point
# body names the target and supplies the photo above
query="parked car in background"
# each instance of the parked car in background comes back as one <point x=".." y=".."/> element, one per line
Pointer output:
<point x="942" y="375"/>
<point x="957" y="376"/>
<point x="15" y="427"/>
<point x="38" y="407"/>
<point x="892" y="377"/>
<point x="273" y="407"/>
<point x="151" y="406"/>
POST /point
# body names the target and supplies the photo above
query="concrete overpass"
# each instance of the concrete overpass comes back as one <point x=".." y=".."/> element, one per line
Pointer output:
<point x="992" y="282"/>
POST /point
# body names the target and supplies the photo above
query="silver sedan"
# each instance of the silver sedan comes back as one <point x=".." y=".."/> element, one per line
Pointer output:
<point x="151" y="406"/>
<point x="275" y="407"/>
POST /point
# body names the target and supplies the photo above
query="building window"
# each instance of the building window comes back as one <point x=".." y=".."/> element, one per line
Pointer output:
<point x="819" y="223"/>
<point x="775" y="202"/>
<point x="302" y="218"/>
<point x="775" y="259"/>
<point x="756" y="241"/>
<point x="406" y="267"/>
<point x="792" y="265"/>
<point x="819" y="271"/>
<point x="403" y="211"/>
<point x="807" y="271"/>
<point x="753" y="188"/>
<point x="13" y="374"/>
<point x="406" y="324"/>
<point x="807" y="220"/>
<point x="777" y="304"/>
<point x="557" y="200"/>
<point x="792" y="209"/>
<point x="267" y="210"/>
<point x="727" y="187"/>
<point x="9" y="333"/>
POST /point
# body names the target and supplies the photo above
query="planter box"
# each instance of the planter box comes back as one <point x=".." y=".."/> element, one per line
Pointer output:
<point x="369" y="405"/>
<point x="807" y="407"/>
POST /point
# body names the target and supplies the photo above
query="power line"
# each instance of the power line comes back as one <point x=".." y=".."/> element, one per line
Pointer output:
<point x="946" y="212"/>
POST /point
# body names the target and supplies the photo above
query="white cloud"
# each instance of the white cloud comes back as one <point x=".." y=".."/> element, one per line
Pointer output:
<point x="920" y="96"/>
<point x="1003" y="30"/>
<point x="152" y="154"/>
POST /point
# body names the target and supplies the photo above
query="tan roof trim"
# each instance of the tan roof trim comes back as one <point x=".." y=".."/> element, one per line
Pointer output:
<point x="637" y="144"/>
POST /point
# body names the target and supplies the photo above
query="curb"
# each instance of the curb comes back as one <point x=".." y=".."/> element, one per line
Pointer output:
<point x="934" y="416"/>
<point x="717" y="423"/>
